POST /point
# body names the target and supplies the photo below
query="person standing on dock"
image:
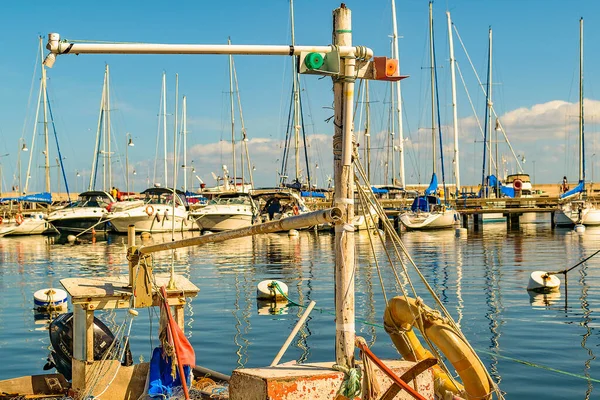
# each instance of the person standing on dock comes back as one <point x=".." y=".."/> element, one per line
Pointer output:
<point x="565" y="186"/>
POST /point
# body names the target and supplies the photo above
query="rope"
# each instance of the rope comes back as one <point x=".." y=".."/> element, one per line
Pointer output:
<point x="350" y="387"/>
<point x="399" y="329"/>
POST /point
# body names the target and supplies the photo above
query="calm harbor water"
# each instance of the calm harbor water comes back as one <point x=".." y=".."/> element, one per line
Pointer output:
<point x="481" y="279"/>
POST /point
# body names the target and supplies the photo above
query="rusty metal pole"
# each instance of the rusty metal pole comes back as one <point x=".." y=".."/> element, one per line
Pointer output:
<point x="343" y="145"/>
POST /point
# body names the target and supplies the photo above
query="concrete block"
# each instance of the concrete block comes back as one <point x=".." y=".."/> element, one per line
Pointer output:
<point x="316" y="381"/>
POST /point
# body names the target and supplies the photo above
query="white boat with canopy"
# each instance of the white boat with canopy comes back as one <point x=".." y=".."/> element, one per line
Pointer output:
<point x="152" y="214"/>
<point x="225" y="212"/>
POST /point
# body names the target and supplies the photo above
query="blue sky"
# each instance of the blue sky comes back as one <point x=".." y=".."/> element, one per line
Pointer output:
<point x="535" y="70"/>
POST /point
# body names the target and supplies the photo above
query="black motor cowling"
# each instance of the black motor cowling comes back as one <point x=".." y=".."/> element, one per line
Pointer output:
<point x="61" y="338"/>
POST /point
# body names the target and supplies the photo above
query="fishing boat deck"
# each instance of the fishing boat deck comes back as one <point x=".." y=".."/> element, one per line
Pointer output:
<point x="113" y="291"/>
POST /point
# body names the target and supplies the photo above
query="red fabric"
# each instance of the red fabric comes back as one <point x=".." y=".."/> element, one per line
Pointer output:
<point x="185" y="352"/>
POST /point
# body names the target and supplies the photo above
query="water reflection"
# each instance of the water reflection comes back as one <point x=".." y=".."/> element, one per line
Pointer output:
<point x="488" y="267"/>
<point x="493" y="259"/>
<point x="586" y="320"/>
<point x="543" y="299"/>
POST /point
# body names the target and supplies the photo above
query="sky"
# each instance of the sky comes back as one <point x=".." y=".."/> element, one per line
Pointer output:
<point x="535" y="87"/>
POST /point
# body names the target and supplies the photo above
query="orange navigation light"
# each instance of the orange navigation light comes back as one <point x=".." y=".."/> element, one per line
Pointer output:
<point x="386" y="68"/>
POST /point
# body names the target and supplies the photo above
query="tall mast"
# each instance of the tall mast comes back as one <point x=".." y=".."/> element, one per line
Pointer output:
<point x="37" y="113"/>
<point x="296" y="98"/>
<point x="47" y="155"/>
<point x="232" y="118"/>
<point x="431" y="57"/>
<point x="175" y="134"/>
<point x="396" y="55"/>
<point x="454" y="112"/>
<point x="98" y="135"/>
<point x="581" y="137"/>
<point x="107" y="112"/>
<point x="184" y="133"/>
<point x="391" y="149"/>
<point x="489" y="106"/>
<point x="368" y="129"/>
<point x="164" y="90"/>
<point x="244" y="133"/>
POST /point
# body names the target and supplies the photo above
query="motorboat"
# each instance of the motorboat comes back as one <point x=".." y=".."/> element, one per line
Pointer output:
<point x="155" y="213"/>
<point x="225" y="212"/>
<point x="85" y="214"/>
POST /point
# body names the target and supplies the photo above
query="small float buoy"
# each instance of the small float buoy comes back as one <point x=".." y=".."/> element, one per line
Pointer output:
<point x="460" y="232"/>
<point x="145" y="235"/>
<point x="293" y="232"/>
<point x="541" y="281"/>
<point x="579" y="228"/>
<point x="543" y="299"/>
<point x="49" y="299"/>
<point x="264" y="307"/>
<point x="206" y="233"/>
<point x="266" y="291"/>
<point x="71" y="238"/>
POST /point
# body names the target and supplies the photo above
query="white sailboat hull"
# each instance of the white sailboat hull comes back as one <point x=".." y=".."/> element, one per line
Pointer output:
<point x="159" y="220"/>
<point x="569" y="214"/>
<point x="33" y="224"/>
<point x="430" y="220"/>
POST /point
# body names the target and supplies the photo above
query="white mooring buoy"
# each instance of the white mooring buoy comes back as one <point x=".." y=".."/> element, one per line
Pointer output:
<point x="541" y="281"/>
<point x="267" y="291"/>
<point x="49" y="299"/>
<point x="293" y="232"/>
<point x="579" y="228"/>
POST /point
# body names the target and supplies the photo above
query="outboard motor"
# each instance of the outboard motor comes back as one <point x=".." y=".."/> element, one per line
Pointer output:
<point x="61" y="338"/>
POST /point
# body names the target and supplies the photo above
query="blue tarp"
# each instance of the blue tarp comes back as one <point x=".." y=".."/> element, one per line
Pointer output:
<point x="432" y="189"/>
<point x="378" y="190"/>
<point x="43" y="197"/>
<point x="424" y="203"/>
<point x="577" y="189"/>
<point x="313" y="194"/>
<point x="506" y="191"/>
<point x="161" y="381"/>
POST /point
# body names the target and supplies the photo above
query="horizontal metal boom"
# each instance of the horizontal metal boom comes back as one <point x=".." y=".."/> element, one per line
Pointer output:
<point x="56" y="46"/>
<point x="299" y="221"/>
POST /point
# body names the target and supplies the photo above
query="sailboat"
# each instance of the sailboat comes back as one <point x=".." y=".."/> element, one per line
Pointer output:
<point x="235" y="208"/>
<point x="162" y="209"/>
<point x="89" y="211"/>
<point x="428" y="211"/>
<point x="573" y="207"/>
<point x="31" y="222"/>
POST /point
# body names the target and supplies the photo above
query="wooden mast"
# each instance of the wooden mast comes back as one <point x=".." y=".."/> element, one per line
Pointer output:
<point x="343" y="146"/>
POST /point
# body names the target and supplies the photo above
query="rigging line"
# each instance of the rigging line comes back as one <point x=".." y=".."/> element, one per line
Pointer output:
<point x="62" y="167"/>
<point x="35" y="65"/>
<point x="312" y="124"/>
<point x="437" y="99"/>
<point x="304" y="138"/>
<point x="363" y="203"/>
<point x="157" y="137"/>
<point x="492" y="107"/>
<point x="287" y="140"/>
<point x="243" y="129"/>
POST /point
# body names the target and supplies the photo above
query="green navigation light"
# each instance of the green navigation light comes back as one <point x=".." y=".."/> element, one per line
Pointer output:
<point x="313" y="61"/>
